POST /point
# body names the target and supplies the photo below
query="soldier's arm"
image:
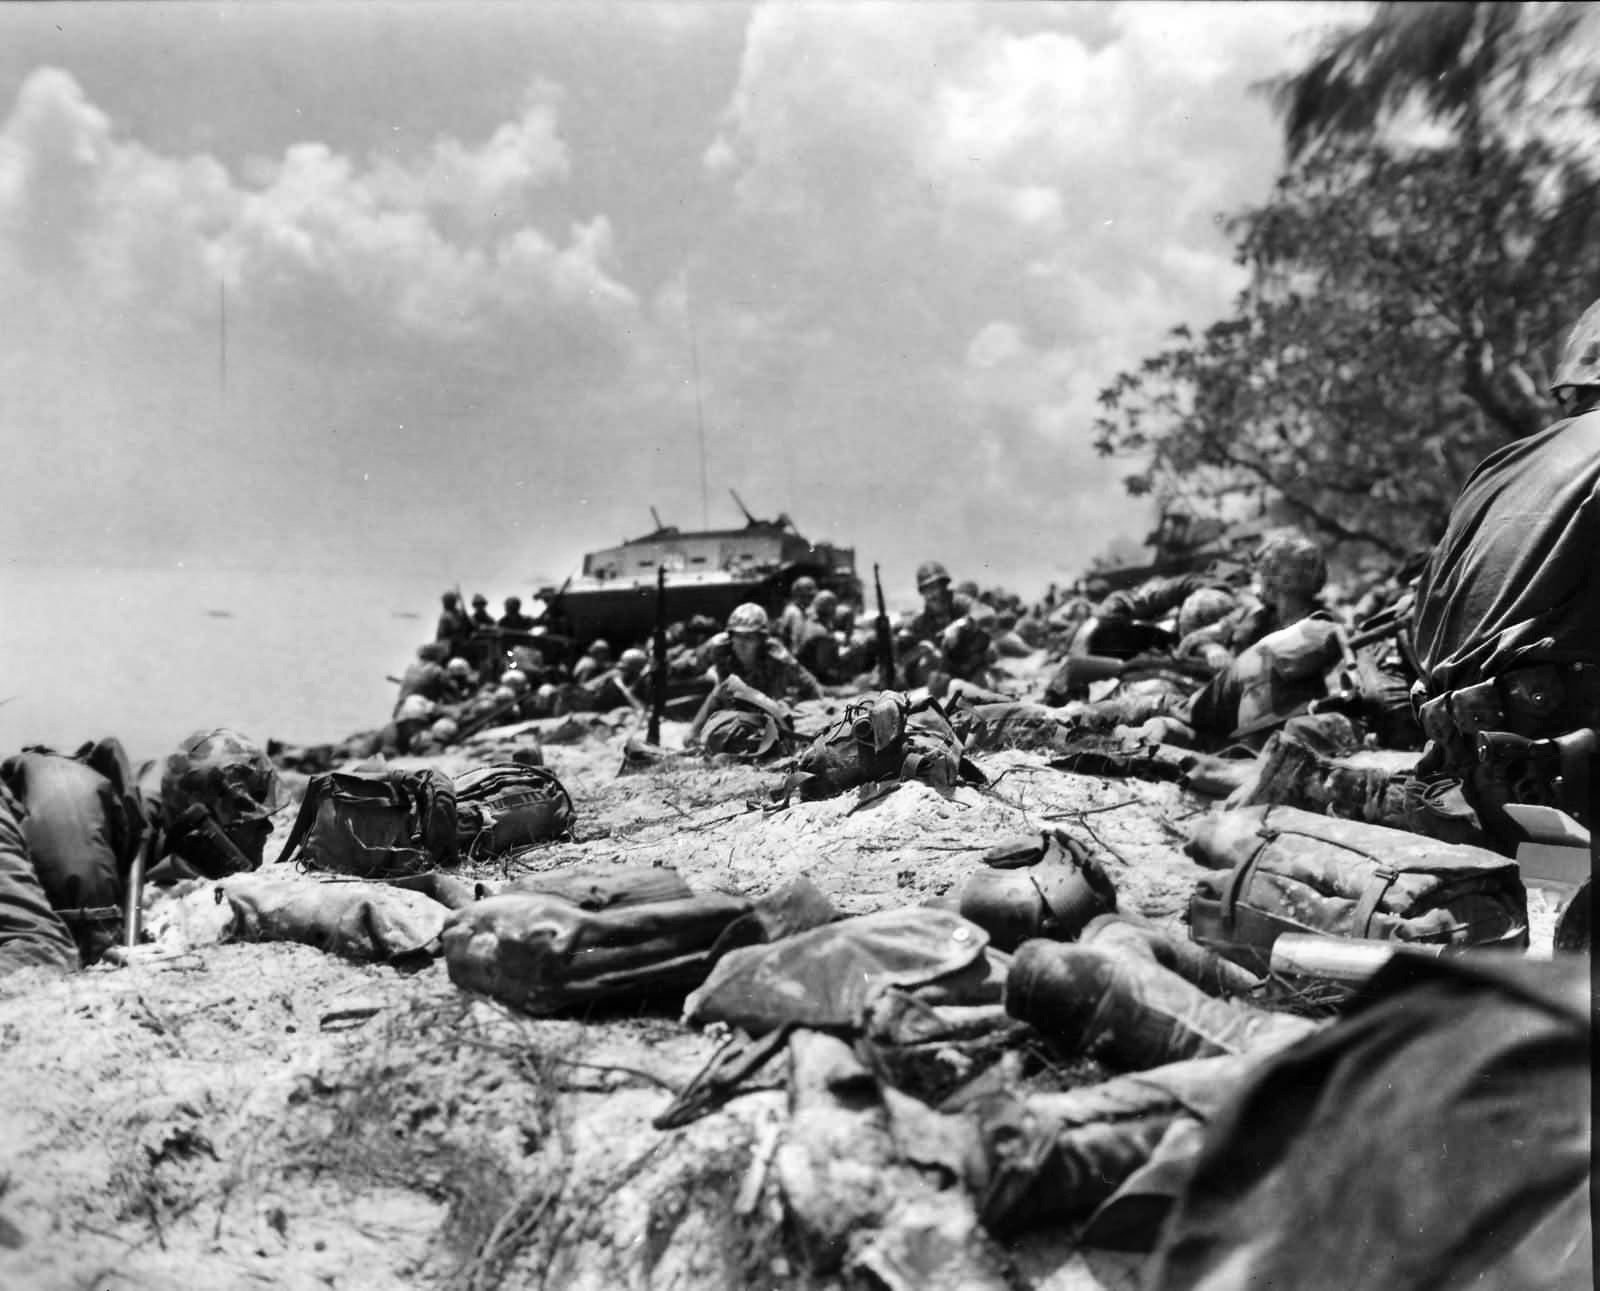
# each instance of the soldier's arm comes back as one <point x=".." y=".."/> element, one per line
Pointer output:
<point x="804" y="684"/>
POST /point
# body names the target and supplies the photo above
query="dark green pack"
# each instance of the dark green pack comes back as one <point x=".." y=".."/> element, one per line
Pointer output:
<point x="508" y="806"/>
<point x="375" y="824"/>
<point x="883" y="738"/>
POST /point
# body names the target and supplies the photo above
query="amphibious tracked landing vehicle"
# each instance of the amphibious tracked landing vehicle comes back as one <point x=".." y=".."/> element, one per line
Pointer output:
<point x="708" y="571"/>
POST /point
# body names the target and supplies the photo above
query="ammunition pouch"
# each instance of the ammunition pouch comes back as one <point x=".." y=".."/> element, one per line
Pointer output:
<point x="1539" y="701"/>
<point x="1532" y="731"/>
<point x="200" y="841"/>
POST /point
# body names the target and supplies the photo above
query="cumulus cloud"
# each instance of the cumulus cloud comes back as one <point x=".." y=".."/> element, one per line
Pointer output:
<point x="372" y="308"/>
<point x="917" y="240"/>
<point x="437" y="247"/>
<point x="1025" y="206"/>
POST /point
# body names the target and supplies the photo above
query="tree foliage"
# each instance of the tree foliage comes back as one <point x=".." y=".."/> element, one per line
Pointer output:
<point x="1404" y="308"/>
<point x="1471" y="67"/>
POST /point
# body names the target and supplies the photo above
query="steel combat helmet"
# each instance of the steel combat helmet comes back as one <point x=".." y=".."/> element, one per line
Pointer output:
<point x="1580" y="360"/>
<point x="224" y="772"/>
<point x="748" y="619"/>
<point x="1291" y="562"/>
<point x="805" y="585"/>
<point x="1203" y="607"/>
<point x="929" y="573"/>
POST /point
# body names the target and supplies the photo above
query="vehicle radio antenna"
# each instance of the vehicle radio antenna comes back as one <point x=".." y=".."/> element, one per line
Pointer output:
<point x="699" y="411"/>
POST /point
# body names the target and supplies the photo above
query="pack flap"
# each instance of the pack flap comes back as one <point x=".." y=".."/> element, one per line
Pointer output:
<point x="825" y="978"/>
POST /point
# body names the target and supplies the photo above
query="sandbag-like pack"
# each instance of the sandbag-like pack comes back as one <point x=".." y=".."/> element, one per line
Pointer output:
<point x="1285" y="870"/>
<point x="375" y="824"/>
<point x="591" y="935"/>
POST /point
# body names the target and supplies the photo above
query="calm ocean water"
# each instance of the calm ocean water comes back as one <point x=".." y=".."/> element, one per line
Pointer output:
<point x="150" y="654"/>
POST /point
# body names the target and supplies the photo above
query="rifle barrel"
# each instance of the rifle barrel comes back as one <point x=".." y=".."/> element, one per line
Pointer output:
<point x="658" y="680"/>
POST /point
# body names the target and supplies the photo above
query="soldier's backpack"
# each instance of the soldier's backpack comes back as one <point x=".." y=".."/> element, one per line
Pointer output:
<point x="1285" y="671"/>
<point x="508" y="806"/>
<point x="882" y="738"/>
<point x="1280" y="869"/>
<point x="375" y="824"/>
<point x="83" y="826"/>
<point x="588" y="936"/>
<point x="750" y="725"/>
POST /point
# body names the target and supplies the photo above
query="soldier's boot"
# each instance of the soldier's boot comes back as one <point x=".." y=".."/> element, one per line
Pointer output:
<point x="1432" y="808"/>
<point x="1285" y="772"/>
<point x="1116" y="1004"/>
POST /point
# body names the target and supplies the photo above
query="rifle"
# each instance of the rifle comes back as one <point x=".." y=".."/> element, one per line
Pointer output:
<point x="133" y="896"/>
<point x="885" y="637"/>
<point x="658" y="679"/>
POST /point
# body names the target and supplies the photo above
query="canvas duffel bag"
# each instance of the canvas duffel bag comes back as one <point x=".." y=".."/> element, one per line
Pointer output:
<point x="1280" y="869"/>
<point x="588" y="936"/>
<point x="882" y="738"/>
<point x="508" y="806"/>
<point x="375" y="824"/>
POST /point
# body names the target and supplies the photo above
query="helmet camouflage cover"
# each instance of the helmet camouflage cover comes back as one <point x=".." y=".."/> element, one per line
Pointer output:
<point x="1580" y="360"/>
<point x="749" y="619"/>
<point x="1203" y="607"/>
<point x="1290" y="561"/>
<point x="224" y="772"/>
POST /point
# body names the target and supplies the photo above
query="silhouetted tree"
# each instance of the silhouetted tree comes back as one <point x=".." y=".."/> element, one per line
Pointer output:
<point x="1405" y="302"/>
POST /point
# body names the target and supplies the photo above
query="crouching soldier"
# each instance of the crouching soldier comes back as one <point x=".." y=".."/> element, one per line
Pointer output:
<point x="87" y="823"/>
<point x="1507" y="621"/>
<point x="32" y="934"/>
<point x="84" y="824"/>
<point x="750" y="664"/>
<point x="218" y="793"/>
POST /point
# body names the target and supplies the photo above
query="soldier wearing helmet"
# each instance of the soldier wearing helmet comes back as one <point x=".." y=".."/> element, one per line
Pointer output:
<point x="1156" y="598"/>
<point x="481" y="618"/>
<point x="620" y="685"/>
<point x="1290" y="572"/>
<point x="453" y="629"/>
<point x="218" y="795"/>
<point x="460" y="681"/>
<point x="938" y="609"/>
<point x="747" y="650"/>
<point x="514" y="620"/>
<point x="1203" y="607"/>
<point x="791" y="629"/>
<point x="1507" y="619"/>
<point x="632" y="663"/>
<point x="426" y="676"/>
<point x="820" y="645"/>
<point x="596" y="660"/>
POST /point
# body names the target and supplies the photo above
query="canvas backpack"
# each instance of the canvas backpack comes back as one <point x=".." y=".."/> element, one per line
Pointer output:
<point x="1280" y="869"/>
<point x="1284" y="671"/>
<point x="375" y="824"/>
<point x="884" y="737"/>
<point x="508" y="806"/>
<point x="747" y="724"/>
<point x="587" y="936"/>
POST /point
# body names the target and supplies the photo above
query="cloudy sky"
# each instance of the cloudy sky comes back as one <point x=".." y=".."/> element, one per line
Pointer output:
<point x="461" y="250"/>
